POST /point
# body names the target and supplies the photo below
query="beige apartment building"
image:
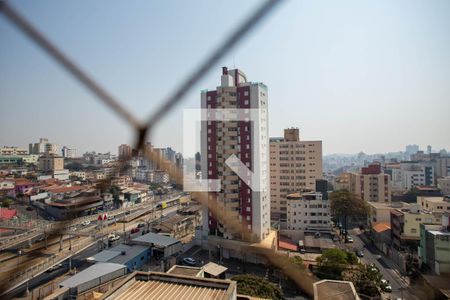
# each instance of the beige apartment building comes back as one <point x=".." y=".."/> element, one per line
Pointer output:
<point x="371" y="184"/>
<point x="51" y="163"/>
<point x="438" y="205"/>
<point x="294" y="166"/>
<point x="13" y="151"/>
<point x="444" y="185"/>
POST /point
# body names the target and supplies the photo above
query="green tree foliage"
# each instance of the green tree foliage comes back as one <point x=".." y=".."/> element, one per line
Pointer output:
<point x="7" y="202"/>
<point x="344" y="203"/>
<point x="366" y="279"/>
<point x="333" y="262"/>
<point x="252" y="285"/>
<point x="115" y="191"/>
<point x="298" y="261"/>
<point x="74" y="166"/>
<point x="351" y="258"/>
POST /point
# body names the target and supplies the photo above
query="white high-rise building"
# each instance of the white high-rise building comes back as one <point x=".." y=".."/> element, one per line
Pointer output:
<point x="44" y="147"/>
<point x="69" y="152"/>
<point x="249" y="142"/>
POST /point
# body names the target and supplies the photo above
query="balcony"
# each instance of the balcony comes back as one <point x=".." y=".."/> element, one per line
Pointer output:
<point x="232" y="196"/>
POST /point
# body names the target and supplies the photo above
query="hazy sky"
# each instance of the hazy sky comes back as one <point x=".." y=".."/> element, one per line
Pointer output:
<point x="359" y="75"/>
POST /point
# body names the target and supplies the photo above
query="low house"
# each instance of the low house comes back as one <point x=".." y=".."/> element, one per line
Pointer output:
<point x="89" y="279"/>
<point x="335" y="289"/>
<point x="132" y="256"/>
<point x="318" y="244"/>
<point x="7" y="188"/>
<point x="213" y="270"/>
<point x="178" y="226"/>
<point x="381" y="235"/>
<point x="162" y="246"/>
<point x="74" y="207"/>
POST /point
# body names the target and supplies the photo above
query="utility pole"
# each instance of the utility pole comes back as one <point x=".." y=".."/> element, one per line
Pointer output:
<point x="70" y="257"/>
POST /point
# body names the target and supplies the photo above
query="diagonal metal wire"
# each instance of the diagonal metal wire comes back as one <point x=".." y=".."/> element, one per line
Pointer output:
<point x="70" y="66"/>
<point x="223" y="49"/>
<point x="143" y="129"/>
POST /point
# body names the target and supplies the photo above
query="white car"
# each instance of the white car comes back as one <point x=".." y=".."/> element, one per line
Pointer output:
<point x="189" y="261"/>
<point x="385" y="286"/>
<point x="86" y="223"/>
<point x="113" y="237"/>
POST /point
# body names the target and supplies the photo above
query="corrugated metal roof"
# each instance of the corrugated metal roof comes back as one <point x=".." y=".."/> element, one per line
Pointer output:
<point x="157" y="285"/>
<point x="130" y="253"/>
<point x="105" y="255"/>
<point x="115" y="255"/>
<point x="169" y="290"/>
<point x="156" y="239"/>
<point x="93" y="272"/>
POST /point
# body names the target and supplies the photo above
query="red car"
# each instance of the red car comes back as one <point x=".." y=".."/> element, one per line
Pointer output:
<point x="134" y="230"/>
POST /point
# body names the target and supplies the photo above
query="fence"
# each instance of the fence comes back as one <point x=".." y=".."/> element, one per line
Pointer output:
<point x="36" y="269"/>
<point x="144" y="129"/>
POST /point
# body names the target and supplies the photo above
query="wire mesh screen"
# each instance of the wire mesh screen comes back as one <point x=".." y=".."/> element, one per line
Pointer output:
<point x="142" y="130"/>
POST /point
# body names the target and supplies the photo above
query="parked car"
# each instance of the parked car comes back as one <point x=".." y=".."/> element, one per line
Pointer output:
<point x="134" y="230"/>
<point x="349" y="239"/>
<point x="373" y="268"/>
<point x="189" y="261"/>
<point x="141" y="225"/>
<point x="29" y="208"/>
<point x="359" y="253"/>
<point x="86" y="223"/>
<point x="386" y="286"/>
<point x="54" y="268"/>
<point x="113" y="237"/>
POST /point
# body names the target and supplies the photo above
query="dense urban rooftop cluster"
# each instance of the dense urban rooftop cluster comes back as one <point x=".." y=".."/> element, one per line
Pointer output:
<point x="101" y="225"/>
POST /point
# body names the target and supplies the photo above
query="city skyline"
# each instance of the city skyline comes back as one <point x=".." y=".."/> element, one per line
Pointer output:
<point x="381" y="84"/>
<point x="259" y="149"/>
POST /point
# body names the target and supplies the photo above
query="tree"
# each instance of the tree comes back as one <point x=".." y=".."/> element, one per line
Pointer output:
<point x="254" y="286"/>
<point x="298" y="261"/>
<point x="7" y="202"/>
<point x="333" y="262"/>
<point x="115" y="191"/>
<point x="74" y="166"/>
<point x="351" y="258"/>
<point x="366" y="279"/>
<point x="344" y="204"/>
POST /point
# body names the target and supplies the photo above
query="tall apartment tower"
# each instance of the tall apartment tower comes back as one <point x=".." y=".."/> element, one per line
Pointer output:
<point x="125" y="151"/>
<point x="295" y="165"/>
<point x="43" y="147"/>
<point x="248" y="141"/>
